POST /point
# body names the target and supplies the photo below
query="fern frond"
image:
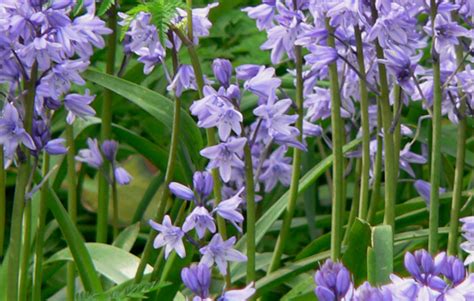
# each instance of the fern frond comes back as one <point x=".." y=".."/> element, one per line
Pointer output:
<point x="104" y="7"/>
<point x="162" y="12"/>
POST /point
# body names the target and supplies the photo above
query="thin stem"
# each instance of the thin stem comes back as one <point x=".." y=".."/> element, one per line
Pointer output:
<point x="436" y="150"/>
<point x="2" y="200"/>
<point x="250" y="193"/>
<point x="25" y="252"/>
<point x="106" y="128"/>
<point x="364" y="108"/>
<point x="338" y="164"/>
<point x="296" y="169"/>
<point x="390" y="176"/>
<point x="38" y="267"/>
<point x="396" y="126"/>
<point x="20" y="191"/>
<point x="115" y="207"/>
<point x="355" y="206"/>
<point x="375" y="197"/>
<point x="71" y="203"/>
<point x="459" y="171"/>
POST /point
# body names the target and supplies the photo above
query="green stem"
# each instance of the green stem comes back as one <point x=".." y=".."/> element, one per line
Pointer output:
<point x="436" y="150"/>
<point x="375" y="197"/>
<point x="106" y="128"/>
<point x="390" y="176"/>
<point x="364" y="108"/>
<point x="22" y="179"/>
<point x="250" y="193"/>
<point x="296" y="169"/>
<point x="38" y="268"/>
<point x="355" y="206"/>
<point x="338" y="164"/>
<point x="71" y="203"/>
<point x="2" y="201"/>
<point x="115" y="208"/>
<point x="459" y="172"/>
<point x="398" y="93"/>
<point x="25" y="252"/>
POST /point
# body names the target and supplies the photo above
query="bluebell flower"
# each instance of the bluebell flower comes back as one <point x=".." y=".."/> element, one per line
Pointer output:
<point x="247" y="71"/>
<point x="408" y="157"/>
<point x="201" y="23"/>
<point x="181" y="191"/>
<point x="92" y="155"/>
<point x="109" y="148"/>
<point x="425" y="269"/>
<point x="122" y="176"/>
<point x="12" y="133"/>
<point x="366" y="292"/>
<point x="446" y="34"/>
<point x="203" y="184"/>
<point x="223" y="71"/>
<point x="238" y="294"/>
<point x="402" y="67"/>
<point x="228" y="209"/>
<point x="56" y="147"/>
<point x="468" y="233"/>
<point x="333" y="281"/>
<point x="78" y="105"/>
<point x="263" y="14"/>
<point x="264" y="83"/>
<point x="198" y="279"/>
<point x="183" y="80"/>
<point x="276" y="120"/>
<point x="424" y="190"/>
<point x="199" y="219"/>
<point x="171" y="237"/>
<point x="225" y="156"/>
<point x="220" y="252"/>
<point x="277" y="168"/>
<point x="320" y="56"/>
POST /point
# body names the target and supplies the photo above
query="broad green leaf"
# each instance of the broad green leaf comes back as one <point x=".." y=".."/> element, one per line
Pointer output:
<point x="303" y="291"/>
<point x="114" y="263"/>
<point x="320" y="244"/>
<point x="382" y="246"/>
<point x="78" y="251"/>
<point x="157" y="105"/>
<point x="126" y="239"/>
<point x="274" y="212"/>
<point x="355" y="257"/>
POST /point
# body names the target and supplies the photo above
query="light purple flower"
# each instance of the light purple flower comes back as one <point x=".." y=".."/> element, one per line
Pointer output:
<point x="264" y="83"/>
<point x="402" y="67"/>
<point x="425" y="269"/>
<point x="78" y="105"/>
<point x="468" y="234"/>
<point x="228" y="209"/>
<point x="122" y="176"/>
<point x="109" y="148"/>
<point x="275" y="118"/>
<point x="262" y="13"/>
<point x="199" y="219"/>
<point x="223" y="71"/>
<point x="247" y="71"/>
<point x="446" y="33"/>
<point x="203" y="184"/>
<point x="181" y="191"/>
<point x="424" y="190"/>
<point x="198" y="279"/>
<point x="201" y="23"/>
<point x="91" y="155"/>
<point x="240" y="294"/>
<point x="55" y="147"/>
<point x="169" y="236"/>
<point x="333" y="281"/>
<point x="220" y="252"/>
<point x="276" y="168"/>
<point x="225" y="156"/>
<point x="320" y="56"/>
<point x="183" y="80"/>
<point x="12" y="132"/>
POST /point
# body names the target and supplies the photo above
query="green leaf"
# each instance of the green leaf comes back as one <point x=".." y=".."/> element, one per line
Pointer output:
<point x="78" y="7"/>
<point x="157" y="105"/>
<point x="127" y="237"/>
<point x="303" y="291"/>
<point x="78" y="251"/>
<point x="382" y="246"/>
<point x="114" y="263"/>
<point x="355" y="257"/>
<point x="274" y="212"/>
<point x="162" y="11"/>
<point x="104" y="7"/>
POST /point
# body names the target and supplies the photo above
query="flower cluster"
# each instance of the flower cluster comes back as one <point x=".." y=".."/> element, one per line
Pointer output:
<point x="41" y="43"/>
<point x="96" y="157"/>
<point x="440" y="278"/>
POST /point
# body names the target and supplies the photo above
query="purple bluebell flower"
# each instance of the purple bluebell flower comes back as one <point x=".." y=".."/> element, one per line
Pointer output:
<point x="424" y="190"/>
<point x="345" y="14"/>
<point x="55" y="147"/>
<point x="122" y="176"/>
<point x="247" y="71"/>
<point x="263" y="14"/>
<point x="169" y="236"/>
<point x="228" y="209"/>
<point x="181" y="191"/>
<point x="468" y="234"/>
<point x="446" y="33"/>
<point x="109" y="148"/>
<point x="333" y="281"/>
<point x="91" y="155"/>
<point x="198" y="279"/>
<point x="201" y="23"/>
<point x="199" y="219"/>
<point x="78" y="105"/>
<point x="183" y="80"/>
<point x="275" y="118"/>
<point x="320" y="56"/>
<point x="264" y="83"/>
<point x="42" y="51"/>
<point x="425" y="269"/>
<point x="220" y="252"/>
<point x="203" y="184"/>
<point x="366" y="292"/>
<point x="402" y="67"/>
<point x="318" y="105"/>
<point x="225" y="156"/>
<point x="407" y="157"/>
<point x="454" y="270"/>
<point x="12" y="132"/>
<point x="407" y="289"/>
<point x="223" y="71"/>
<point x="238" y="294"/>
<point x="277" y="168"/>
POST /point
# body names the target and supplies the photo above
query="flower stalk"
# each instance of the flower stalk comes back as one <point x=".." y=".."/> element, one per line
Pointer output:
<point x="251" y="213"/>
<point x="2" y="200"/>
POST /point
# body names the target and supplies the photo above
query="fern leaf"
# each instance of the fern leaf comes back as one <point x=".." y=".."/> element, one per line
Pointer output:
<point x="162" y="12"/>
<point x="104" y="7"/>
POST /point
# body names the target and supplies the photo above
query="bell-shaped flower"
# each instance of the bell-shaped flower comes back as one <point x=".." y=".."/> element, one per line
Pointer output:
<point x="169" y="236"/>
<point x="220" y="252"/>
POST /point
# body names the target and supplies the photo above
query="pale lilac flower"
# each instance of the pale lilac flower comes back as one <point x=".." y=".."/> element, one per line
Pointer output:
<point x="228" y="209"/>
<point x="247" y="71"/>
<point x="225" y="156"/>
<point x="425" y="269"/>
<point x="333" y="281"/>
<point x="198" y="279"/>
<point x="320" y="56"/>
<point x="277" y="168"/>
<point x="407" y="157"/>
<point x="220" y="252"/>
<point x="446" y="33"/>
<point x="201" y="23"/>
<point x="239" y="294"/>
<point x="468" y="234"/>
<point x="262" y="13"/>
<point x="55" y="147"/>
<point x="122" y="176"/>
<point x="223" y="71"/>
<point x="78" y="105"/>
<point x="264" y="83"/>
<point x="181" y="191"/>
<point x="169" y="236"/>
<point x="183" y="80"/>
<point x="203" y="184"/>
<point x="424" y="190"/>
<point x="109" y="148"/>
<point x="91" y="155"/>
<point x="199" y="219"/>
<point x="12" y="132"/>
<point x="275" y="118"/>
<point x="402" y="67"/>
<point x="366" y="292"/>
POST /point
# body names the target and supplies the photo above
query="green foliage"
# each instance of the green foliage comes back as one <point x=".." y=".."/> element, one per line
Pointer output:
<point x="132" y="290"/>
<point x="104" y="6"/>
